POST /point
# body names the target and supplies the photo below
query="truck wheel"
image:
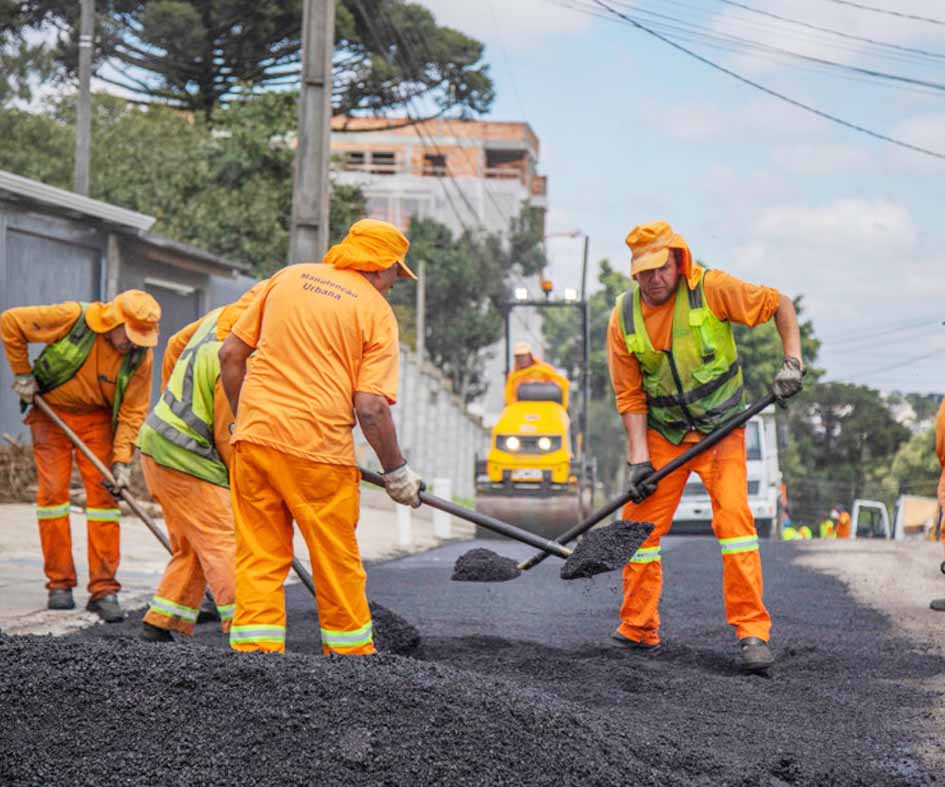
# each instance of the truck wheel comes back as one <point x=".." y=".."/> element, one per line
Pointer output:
<point x="763" y="526"/>
<point x="942" y="567"/>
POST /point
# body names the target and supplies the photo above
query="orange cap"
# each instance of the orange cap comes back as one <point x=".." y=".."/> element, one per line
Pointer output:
<point x="371" y="245"/>
<point x="650" y="244"/>
<point x="135" y="309"/>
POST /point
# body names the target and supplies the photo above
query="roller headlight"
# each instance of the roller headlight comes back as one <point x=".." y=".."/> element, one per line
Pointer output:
<point x="544" y="443"/>
<point x="512" y="443"/>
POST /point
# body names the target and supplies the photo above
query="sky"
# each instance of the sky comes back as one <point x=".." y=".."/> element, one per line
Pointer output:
<point x="633" y="130"/>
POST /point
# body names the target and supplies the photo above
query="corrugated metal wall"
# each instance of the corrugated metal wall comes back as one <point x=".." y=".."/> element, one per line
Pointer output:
<point x="43" y="259"/>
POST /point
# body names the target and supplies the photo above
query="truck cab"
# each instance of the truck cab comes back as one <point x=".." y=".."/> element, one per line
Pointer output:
<point x="694" y="513"/>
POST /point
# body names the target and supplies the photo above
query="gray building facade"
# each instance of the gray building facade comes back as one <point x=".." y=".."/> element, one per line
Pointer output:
<point x="58" y="246"/>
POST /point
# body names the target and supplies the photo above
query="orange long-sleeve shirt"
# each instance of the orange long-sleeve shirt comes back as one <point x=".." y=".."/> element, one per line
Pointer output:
<point x="727" y="297"/>
<point x="93" y="386"/>
<point x="539" y="371"/>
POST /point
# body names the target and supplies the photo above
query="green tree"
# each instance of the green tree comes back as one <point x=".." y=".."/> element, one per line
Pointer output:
<point x="197" y="54"/>
<point x="841" y="435"/>
<point x="914" y="470"/>
<point x="468" y="280"/>
<point x="227" y="189"/>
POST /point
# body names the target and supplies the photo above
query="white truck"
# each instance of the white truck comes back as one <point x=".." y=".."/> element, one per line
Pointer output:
<point x="694" y="513"/>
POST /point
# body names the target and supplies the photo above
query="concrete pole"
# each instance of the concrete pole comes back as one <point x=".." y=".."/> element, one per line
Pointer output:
<point x="83" y="117"/>
<point x="421" y="311"/>
<point x="308" y="239"/>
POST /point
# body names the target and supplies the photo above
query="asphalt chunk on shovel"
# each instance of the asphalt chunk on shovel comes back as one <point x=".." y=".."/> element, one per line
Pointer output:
<point x="605" y="549"/>
<point x="484" y="565"/>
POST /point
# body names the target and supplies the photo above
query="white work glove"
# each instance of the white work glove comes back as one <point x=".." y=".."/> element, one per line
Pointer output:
<point x="25" y="386"/>
<point x="122" y="474"/>
<point x="404" y="485"/>
<point x="787" y="382"/>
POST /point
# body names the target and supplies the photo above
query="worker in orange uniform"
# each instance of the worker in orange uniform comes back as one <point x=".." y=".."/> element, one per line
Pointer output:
<point x="675" y="371"/>
<point x="527" y="368"/>
<point x="95" y="372"/>
<point x="841" y="518"/>
<point x="185" y="458"/>
<point x="326" y="347"/>
<point x="938" y="604"/>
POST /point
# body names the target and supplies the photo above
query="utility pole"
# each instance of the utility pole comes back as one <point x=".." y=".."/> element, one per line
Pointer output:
<point x="421" y="312"/>
<point x="83" y="116"/>
<point x="308" y="239"/>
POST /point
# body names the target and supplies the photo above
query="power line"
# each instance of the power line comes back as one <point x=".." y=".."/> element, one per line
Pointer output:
<point x="889" y="12"/>
<point x="676" y="29"/>
<point x="771" y="92"/>
<point x="832" y="31"/>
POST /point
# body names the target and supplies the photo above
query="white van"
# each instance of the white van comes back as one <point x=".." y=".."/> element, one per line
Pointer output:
<point x="694" y="513"/>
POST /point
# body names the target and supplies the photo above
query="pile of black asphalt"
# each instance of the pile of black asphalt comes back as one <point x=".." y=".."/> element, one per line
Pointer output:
<point x="484" y="565"/>
<point x="513" y="683"/>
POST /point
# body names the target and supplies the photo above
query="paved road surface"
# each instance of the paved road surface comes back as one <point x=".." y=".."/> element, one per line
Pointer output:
<point x="851" y="700"/>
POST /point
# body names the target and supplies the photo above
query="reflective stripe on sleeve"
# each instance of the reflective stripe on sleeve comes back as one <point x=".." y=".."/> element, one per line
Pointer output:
<point x="646" y="555"/>
<point x="167" y="607"/>
<point x="734" y="546"/>
<point x="247" y="635"/>
<point x="103" y="514"/>
<point x="348" y="639"/>
<point x="52" y="512"/>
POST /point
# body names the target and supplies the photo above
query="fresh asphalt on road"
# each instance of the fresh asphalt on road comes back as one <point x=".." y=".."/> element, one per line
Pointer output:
<point x="847" y="702"/>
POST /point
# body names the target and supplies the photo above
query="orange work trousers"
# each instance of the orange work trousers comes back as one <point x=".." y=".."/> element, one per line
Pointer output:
<point x="723" y="470"/>
<point x="200" y="528"/>
<point x="53" y="452"/>
<point x="269" y="490"/>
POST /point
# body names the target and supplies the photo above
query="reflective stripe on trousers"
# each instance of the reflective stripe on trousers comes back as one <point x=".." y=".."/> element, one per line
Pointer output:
<point x="734" y="546"/>
<point x="348" y="639"/>
<point x="226" y="611"/>
<point x="52" y="512"/>
<point x="257" y="635"/>
<point x="646" y="555"/>
<point x="103" y="514"/>
<point x="167" y="607"/>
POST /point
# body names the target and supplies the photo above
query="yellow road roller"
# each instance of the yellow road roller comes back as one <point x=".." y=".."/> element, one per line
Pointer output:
<point x="529" y="477"/>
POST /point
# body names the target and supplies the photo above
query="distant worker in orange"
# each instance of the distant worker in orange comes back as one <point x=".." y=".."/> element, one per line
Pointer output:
<point x="326" y="349"/>
<point x="939" y="603"/>
<point x="841" y="519"/>
<point x="95" y="372"/>
<point x="676" y="375"/>
<point x="527" y="368"/>
<point x="185" y="458"/>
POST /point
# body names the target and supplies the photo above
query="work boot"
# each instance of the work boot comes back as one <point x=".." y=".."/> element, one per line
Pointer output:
<point x="754" y="655"/>
<point x="60" y="598"/>
<point x="151" y="633"/>
<point x="938" y="604"/>
<point x="632" y="644"/>
<point x="208" y="612"/>
<point x="107" y="608"/>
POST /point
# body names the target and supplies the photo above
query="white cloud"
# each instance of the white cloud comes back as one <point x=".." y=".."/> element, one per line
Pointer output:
<point x="517" y="24"/>
<point x="855" y="224"/>
<point x="819" y="158"/>
<point x="709" y="122"/>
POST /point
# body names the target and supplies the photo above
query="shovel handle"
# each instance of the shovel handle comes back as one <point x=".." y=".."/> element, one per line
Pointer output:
<point x="658" y="475"/>
<point x="99" y="465"/>
<point x="483" y="520"/>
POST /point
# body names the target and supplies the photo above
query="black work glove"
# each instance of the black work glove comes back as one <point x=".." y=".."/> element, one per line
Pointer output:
<point x="787" y="381"/>
<point x="637" y="473"/>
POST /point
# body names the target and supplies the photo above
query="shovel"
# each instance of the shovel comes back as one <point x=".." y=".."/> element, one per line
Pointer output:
<point x="489" y="523"/>
<point x="617" y="503"/>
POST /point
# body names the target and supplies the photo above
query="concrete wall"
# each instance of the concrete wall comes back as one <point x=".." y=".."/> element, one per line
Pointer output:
<point x="437" y="434"/>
